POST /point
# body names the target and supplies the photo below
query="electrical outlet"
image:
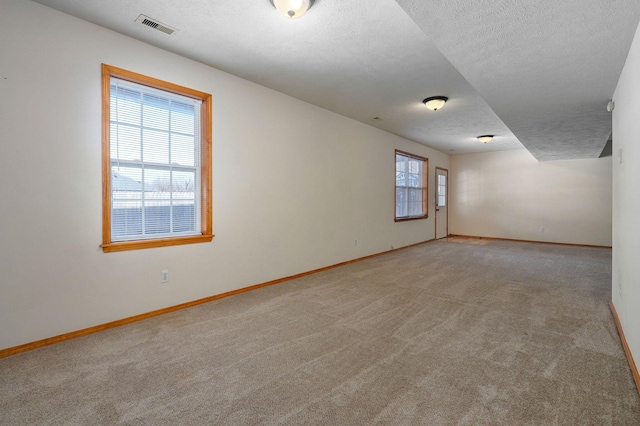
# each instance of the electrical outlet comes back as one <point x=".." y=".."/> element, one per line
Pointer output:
<point x="164" y="276"/>
<point x="355" y="242"/>
<point x="542" y="229"/>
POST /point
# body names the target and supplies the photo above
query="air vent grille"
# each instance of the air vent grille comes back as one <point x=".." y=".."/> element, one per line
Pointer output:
<point x="152" y="23"/>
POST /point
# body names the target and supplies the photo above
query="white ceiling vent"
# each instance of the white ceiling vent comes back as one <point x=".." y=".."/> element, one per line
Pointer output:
<point x="150" y="22"/>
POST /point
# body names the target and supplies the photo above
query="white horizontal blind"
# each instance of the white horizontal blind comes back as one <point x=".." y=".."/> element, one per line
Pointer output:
<point x="155" y="163"/>
<point x="409" y="188"/>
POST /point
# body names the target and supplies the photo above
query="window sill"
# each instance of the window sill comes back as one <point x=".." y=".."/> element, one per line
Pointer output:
<point x="143" y="244"/>
<point x="404" y="219"/>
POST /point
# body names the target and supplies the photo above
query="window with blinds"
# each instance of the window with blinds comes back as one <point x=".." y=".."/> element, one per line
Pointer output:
<point x="411" y="186"/>
<point x="155" y="163"/>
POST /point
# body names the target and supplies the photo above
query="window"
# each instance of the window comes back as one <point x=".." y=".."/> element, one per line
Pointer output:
<point x="442" y="188"/>
<point x="156" y="162"/>
<point x="411" y="186"/>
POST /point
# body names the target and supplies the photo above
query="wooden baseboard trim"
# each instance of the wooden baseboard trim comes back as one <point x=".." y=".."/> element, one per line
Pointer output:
<point x="625" y="345"/>
<point x="526" y="241"/>
<point x="95" y="329"/>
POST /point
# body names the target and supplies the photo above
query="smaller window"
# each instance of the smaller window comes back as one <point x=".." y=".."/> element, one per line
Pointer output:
<point x="411" y="186"/>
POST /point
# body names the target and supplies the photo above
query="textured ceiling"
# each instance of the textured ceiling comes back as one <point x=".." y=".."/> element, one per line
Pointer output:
<point x="546" y="70"/>
<point x="546" y="67"/>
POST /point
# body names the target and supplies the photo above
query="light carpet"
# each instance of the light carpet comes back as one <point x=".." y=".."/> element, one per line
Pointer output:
<point x="437" y="334"/>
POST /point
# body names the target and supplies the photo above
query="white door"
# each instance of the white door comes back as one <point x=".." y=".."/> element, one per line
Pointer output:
<point x="442" y="201"/>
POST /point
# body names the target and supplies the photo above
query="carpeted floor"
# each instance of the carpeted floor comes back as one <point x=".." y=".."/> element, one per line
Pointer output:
<point x="438" y="334"/>
<point x="469" y="240"/>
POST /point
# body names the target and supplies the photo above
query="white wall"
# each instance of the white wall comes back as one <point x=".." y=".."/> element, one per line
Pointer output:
<point x="509" y="194"/>
<point x="626" y="199"/>
<point x="293" y="184"/>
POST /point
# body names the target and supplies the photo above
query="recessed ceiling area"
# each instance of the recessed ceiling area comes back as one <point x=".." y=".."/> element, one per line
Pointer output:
<point x="547" y="68"/>
<point x="532" y="73"/>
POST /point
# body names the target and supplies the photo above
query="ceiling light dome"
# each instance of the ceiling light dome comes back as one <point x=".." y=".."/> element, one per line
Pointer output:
<point x="485" y="138"/>
<point x="292" y="8"/>
<point x="434" y="103"/>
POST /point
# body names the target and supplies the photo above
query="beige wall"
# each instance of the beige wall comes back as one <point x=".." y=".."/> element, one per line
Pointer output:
<point x="509" y="194"/>
<point x="626" y="199"/>
<point x="293" y="185"/>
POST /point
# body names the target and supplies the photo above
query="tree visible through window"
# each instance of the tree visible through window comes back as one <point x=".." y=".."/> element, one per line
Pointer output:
<point x="156" y="162"/>
<point x="411" y="186"/>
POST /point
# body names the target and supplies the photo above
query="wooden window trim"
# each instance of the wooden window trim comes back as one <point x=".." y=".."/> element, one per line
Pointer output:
<point x="425" y="188"/>
<point x="206" y="220"/>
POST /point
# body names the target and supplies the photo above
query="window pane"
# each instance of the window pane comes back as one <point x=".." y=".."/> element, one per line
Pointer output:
<point x="184" y="216"/>
<point x="184" y="201"/>
<point x="184" y="182"/>
<point x="183" y="150"/>
<point x="125" y="142"/>
<point x="414" y="180"/>
<point x="183" y="118"/>
<point x="401" y="202"/>
<point x="125" y="178"/>
<point x="155" y="146"/>
<point x="415" y="202"/>
<point x="126" y="218"/>
<point x="157" y="203"/>
<point x="125" y="105"/>
<point x="155" y="112"/>
<point x="126" y="202"/>
<point x="157" y="218"/>
<point x="156" y="181"/>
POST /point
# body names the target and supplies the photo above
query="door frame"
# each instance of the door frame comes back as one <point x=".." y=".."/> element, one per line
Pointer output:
<point x="446" y="197"/>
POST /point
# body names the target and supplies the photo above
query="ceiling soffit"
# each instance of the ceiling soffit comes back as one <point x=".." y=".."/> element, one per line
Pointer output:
<point x="547" y="68"/>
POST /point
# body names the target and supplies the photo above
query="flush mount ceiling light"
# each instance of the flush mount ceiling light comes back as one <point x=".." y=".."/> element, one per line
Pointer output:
<point x="292" y="8"/>
<point x="435" y="102"/>
<point x="485" y="138"/>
